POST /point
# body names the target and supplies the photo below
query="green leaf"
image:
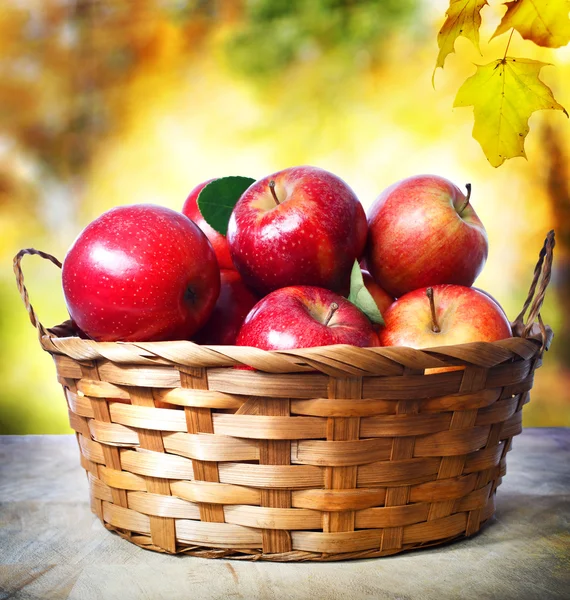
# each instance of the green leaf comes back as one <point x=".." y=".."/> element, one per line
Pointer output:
<point x="217" y="200"/>
<point x="361" y="297"/>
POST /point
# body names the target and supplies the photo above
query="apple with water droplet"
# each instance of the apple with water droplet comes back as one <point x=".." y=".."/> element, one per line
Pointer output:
<point x="442" y="315"/>
<point x="300" y="226"/>
<point x="140" y="273"/>
<point x="305" y="317"/>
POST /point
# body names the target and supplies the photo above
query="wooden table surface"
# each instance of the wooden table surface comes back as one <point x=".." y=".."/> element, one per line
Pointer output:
<point x="51" y="546"/>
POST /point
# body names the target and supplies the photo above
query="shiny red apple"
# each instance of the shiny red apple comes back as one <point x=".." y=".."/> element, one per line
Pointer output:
<point x="140" y="273"/>
<point x="423" y="231"/>
<point x="304" y="317"/>
<point x="233" y="305"/>
<point x="455" y="314"/>
<point x="300" y="226"/>
<point x="218" y="241"/>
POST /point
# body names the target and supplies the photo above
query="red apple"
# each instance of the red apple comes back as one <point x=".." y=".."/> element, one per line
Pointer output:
<point x="460" y="315"/>
<point x="381" y="297"/>
<point x="218" y="241"/>
<point x="493" y="299"/>
<point x="301" y="226"/>
<point x="303" y="317"/>
<point x="140" y="273"/>
<point x="234" y="303"/>
<point x="423" y="231"/>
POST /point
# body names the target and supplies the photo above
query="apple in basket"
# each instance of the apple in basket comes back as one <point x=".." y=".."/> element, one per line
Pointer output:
<point x="304" y="317"/>
<point x="423" y="231"/>
<point x="140" y="272"/>
<point x="233" y="305"/>
<point x="443" y="315"/>
<point x="219" y="243"/>
<point x="300" y="226"/>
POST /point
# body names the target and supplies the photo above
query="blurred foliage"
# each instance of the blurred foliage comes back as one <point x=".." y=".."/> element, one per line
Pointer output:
<point x="107" y="102"/>
<point x="275" y="34"/>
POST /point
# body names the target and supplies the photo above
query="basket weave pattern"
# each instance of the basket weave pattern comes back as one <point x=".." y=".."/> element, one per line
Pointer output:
<point x="319" y="454"/>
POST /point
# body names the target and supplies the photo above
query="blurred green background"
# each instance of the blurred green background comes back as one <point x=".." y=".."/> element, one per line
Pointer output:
<point x="120" y="101"/>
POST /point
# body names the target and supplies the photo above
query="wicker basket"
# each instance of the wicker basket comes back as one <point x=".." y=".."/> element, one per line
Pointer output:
<point x="320" y="454"/>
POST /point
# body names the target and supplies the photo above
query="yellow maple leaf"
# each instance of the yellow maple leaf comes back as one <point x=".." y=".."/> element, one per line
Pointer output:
<point x="545" y="22"/>
<point x="463" y="18"/>
<point x="504" y="94"/>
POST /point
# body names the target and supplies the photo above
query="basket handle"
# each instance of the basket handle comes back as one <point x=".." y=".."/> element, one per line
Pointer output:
<point x="22" y="288"/>
<point x="535" y="298"/>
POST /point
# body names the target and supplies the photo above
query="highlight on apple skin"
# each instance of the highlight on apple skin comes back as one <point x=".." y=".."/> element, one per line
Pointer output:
<point x="300" y="226"/>
<point x="423" y="231"/>
<point x="454" y="314"/>
<point x="140" y="273"/>
<point x="305" y="317"/>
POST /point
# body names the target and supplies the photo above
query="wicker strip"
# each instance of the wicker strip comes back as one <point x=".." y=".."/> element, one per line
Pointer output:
<point x="403" y="448"/>
<point x="157" y="464"/>
<point x="292" y="477"/>
<point x="217" y="535"/>
<point x="200" y="420"/>
<point x="216" y="493"/>
<point x="138" y="371"/>
<point x="406" y="470"/>
<point x="316" y="454"/>
<point x="341" y="453"/>
<point x="275" y="452"/>
<point x="162" y="506"/>
<point x="269" y="427"/>
<point x="342" y="474"/>
<point x="338" y="500"/>
<point x="209" y="447"/>
<point x="274" y="519"/>
<point x="162" y="530"/>
<point x="122" y="479"/>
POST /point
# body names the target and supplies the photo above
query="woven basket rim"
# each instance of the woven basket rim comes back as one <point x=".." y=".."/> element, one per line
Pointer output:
<point x="534" y="337"/>
<point x="332" y="360"/>
<point x="59" y="344"/>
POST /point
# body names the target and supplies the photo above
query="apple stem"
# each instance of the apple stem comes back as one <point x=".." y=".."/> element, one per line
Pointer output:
<point x="272" y="188"/>
<point x="465" y="204"/>
<point x="434" y="324"/>
<point x="332" y="309"/>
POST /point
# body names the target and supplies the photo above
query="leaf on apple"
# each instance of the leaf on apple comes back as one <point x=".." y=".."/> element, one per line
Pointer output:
<point x="504" y="94"/>
<point x="217" y="200"/>
<point x="361" y="297"/>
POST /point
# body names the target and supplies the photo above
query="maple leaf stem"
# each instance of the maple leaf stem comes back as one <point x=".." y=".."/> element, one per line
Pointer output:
<point x="508" y="44"/>
<point x="332" y="309"/>
<point x="434" y="324"/>
<point x="272" y="188"/>
<point x="466" y="203"/>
